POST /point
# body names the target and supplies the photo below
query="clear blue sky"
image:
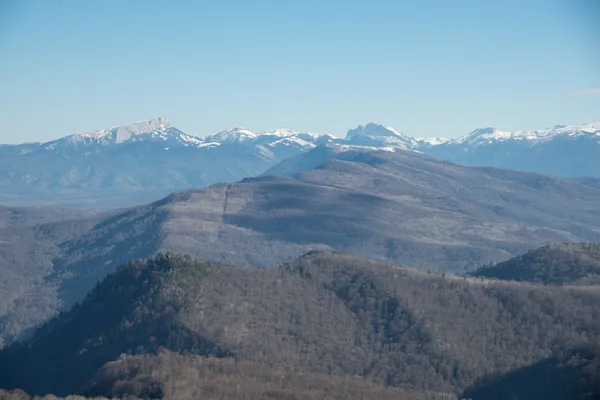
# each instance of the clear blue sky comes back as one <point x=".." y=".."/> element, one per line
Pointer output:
<point x="428" y="68"/>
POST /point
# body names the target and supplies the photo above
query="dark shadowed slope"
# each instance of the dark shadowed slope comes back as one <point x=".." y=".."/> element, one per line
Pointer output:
<point x="305" y="161"/>
<point x="556" y="264"/>
<point x="324" y="313"/>
<point x="172" y="376"/>
<point x="29" y="238"/>
<point x="572" y="374"/>
<point x="177" y="377"/>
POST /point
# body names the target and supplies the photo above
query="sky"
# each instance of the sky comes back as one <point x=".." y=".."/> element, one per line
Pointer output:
<point x="428" y="68"/>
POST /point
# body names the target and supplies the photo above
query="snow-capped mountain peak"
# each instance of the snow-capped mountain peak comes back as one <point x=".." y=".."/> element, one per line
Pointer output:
<point x="487" y="136"/>
<point x="592" y="127"/>
<point x="236" y="134"/>
<point x="127" y="132"/>
<point x="280" y="132"/>
<point x="433" y="141"/>
<point x="483" y="135"/>
<point x="156" y="129"/>
<point x="373" y="134"/>
<point x="371" y="129"/>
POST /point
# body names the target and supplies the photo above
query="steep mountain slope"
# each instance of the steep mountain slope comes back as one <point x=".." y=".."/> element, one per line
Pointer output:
<point x="556" y="264"/>
<point x="306" y="161"/>
<point x="324" y="313"/>
<point x="29" y="238"/>
<point x="567" y="151"/>
<point x="400" y="206"/>
<point x="138" y="163"/>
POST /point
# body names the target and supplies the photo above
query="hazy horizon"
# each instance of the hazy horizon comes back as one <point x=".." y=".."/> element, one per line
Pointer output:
<point x="429" y="69"/>
<point x="336" y="134"/>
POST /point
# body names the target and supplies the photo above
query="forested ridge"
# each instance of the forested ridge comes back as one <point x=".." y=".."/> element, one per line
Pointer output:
<point x="553" y="264"/>
<point x="401" y="207"/>
<point x="324" y="314"/>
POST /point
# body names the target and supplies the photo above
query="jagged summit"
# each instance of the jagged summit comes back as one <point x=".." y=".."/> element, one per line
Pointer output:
<point x="373" y="134"/>
<point x="122" y="133"/>
<point x="126" y="132"/>
<point x="152" y="129"/>
<point x="371" y="129"/>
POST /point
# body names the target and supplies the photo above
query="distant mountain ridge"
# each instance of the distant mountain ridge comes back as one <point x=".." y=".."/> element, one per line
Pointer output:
<point x="138" y="163"/>
<point x="147" y="160"/>
<point x="371" y="134"/>
<point x="565" y="151"/>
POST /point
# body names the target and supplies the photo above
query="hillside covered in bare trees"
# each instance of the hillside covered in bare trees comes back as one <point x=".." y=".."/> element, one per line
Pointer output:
<point x="325" y="313"/>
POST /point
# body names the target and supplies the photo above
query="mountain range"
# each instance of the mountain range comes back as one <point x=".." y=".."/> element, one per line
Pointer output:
<point x="142" y="162"/>
<point x="394" y="205"/>
<point x="262" y="303"/>
<point x="566" y="151"/>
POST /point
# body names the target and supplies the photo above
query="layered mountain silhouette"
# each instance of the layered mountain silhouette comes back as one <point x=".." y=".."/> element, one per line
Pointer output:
<point x="396" y="206"/>
<point x="567" y="151"/>
<point x="138" y="163"/>
<point x="145" y="161"/>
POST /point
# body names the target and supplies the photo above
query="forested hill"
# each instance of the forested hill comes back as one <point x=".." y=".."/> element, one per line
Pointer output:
<point x="402" y="207"/>
<point x="554" y="264"/>
<point x="323" y="313"/>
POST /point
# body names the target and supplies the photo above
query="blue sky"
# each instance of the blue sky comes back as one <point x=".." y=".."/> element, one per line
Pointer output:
<point x="428" y="68"/>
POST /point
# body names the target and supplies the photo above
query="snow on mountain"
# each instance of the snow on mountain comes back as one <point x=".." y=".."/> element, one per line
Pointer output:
<point x="488" y="136"/>
<point x="146" y="160"/>
<point x="377" y="135"/>
<point x="236" y="134"/>
<point x="156" y="130"/>
<point x="562" y="150"/>
<point x="280" y="132"/>
<point x="281" y="137"/>
<point x="432" y="141"/>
